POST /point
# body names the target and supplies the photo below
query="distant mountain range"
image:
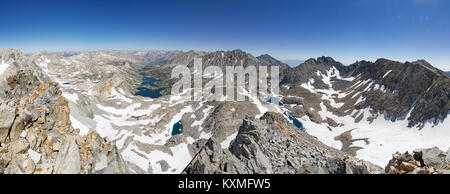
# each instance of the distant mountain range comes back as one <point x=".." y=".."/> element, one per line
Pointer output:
<point x="293" y="62"/>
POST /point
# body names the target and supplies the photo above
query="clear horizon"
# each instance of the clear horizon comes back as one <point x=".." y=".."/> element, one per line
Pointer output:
<point x="280" y="59"/>
<point x="347" y="30"/>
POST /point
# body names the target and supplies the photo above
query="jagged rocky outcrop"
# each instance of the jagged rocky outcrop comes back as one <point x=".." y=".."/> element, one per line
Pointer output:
<point x="415" y="87"/>
<point x="308" y="69"/>
<point x="235" y="57"/>
<point x="420" y="161"/>
<point x="36" y="136"/>
<point x="413" y="83"/>
<point x="272" y="144"/>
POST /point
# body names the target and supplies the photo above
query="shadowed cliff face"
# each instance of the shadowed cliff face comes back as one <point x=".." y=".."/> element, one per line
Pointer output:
<point x="404" y="85"/>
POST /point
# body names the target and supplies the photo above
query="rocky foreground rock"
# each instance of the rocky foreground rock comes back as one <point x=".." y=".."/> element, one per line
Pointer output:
<point x="36" y="136"/>
<point x="421" y="161"/>
<point x="272" y="144"/>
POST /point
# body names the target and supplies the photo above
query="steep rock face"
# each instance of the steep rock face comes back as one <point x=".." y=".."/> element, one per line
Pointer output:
<point x="433" y="104"/>
<point x="273" y="145"/>
<point x="416" y="82"/>
<point x="40" y="139"/>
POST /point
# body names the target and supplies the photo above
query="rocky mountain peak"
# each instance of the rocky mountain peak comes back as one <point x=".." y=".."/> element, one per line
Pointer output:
<point x="324" y="59"/>
<point x="268" y="60"/>
<point x="10" y="55"/>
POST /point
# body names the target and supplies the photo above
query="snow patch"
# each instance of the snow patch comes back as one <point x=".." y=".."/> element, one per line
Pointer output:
<point x="3" y="67"/>
<point x="79" y="125"/>
<point x="387" y="73"/>
<point x="73" y="97"/>
<point x="226" y="143"/>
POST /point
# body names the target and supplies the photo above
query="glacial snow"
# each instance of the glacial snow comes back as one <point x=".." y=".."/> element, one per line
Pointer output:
<point x="385" y="137"/>
<point x="387" y="73"/>
<point x="3" y="67"/>
<point x="226" y="143"/>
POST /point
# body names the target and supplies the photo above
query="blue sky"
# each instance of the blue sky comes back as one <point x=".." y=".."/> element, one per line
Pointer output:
<point x="347" y="30"/>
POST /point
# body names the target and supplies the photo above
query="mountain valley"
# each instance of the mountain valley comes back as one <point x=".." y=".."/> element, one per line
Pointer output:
<point x="330" y="118"/>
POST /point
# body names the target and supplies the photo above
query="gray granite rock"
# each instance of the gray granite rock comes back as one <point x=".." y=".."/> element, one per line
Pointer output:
<point x="272" y="144"/>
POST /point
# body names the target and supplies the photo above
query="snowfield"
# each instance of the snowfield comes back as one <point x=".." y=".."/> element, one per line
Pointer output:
<point x="3" y="67"/>
<point x="385" y="137"/>
<point x="132" y="122"/>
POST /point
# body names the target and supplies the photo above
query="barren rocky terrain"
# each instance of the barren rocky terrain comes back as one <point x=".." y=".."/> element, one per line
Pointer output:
<point x="79" y="113"/>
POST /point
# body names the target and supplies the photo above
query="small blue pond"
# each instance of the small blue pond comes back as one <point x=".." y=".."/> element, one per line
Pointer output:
<point x="177" y="128"/>
<point x="273" y="100"/>
<point x="147" y="92"/>
<point x="297" y="123"/>
<point x="66" y="83"/>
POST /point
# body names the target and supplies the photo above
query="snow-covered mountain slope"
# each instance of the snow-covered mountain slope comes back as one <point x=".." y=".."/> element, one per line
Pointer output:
<point x="101" y="97"/>
<point x="367" y="109"/>
<point x="363" y="109"/>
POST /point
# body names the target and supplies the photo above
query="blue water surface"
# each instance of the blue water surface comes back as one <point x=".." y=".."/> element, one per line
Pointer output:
<point x="177" y="128"/>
